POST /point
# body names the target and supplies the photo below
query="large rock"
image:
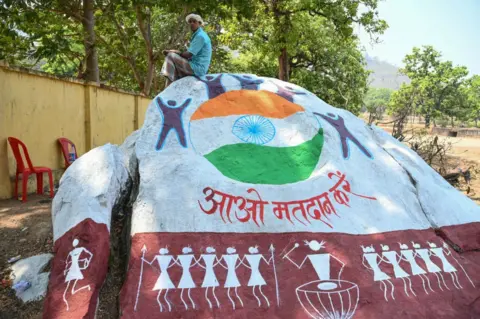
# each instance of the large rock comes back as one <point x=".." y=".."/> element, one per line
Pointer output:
<point x="81" y="213"/>
<point x="257" y="199"/>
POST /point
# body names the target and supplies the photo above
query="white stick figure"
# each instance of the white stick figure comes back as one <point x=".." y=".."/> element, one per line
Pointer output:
<point x="163" y="282"/>
<point x="391" y="258"/>
<point x="73" y="270"/>
<point x="409" y="256"/>
<point x="210" y="279"/>
<point x="446" y="265"/>
<point x="371" y="256"/>
<point x="431" y="267"/>
<point x="186" y="281"/>
<point x="232" y="280"/>
<point x="256" y="279"/>
<point x="320" y="262"/>
<point x="449" y="253"/>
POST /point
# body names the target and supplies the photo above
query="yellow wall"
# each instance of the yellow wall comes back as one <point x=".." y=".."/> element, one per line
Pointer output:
<point x="143" y="104"/>
<point x="38" y="109"/>
<point x="112" y="116"/>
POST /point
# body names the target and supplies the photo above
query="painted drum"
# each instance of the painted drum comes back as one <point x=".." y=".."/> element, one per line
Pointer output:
<point x="325" y="299"/>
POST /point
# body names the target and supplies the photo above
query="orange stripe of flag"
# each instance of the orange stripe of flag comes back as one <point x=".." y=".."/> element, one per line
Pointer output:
<point x="241" y="102"/>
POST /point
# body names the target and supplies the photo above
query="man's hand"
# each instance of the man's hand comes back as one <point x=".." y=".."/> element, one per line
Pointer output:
<point x="166" y="52"/>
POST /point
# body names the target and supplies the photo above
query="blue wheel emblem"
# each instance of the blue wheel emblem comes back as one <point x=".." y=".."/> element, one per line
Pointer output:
<point x="254" y="129"/>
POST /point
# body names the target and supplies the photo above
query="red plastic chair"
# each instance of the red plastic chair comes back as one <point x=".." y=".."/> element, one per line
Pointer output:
<point x="16" y="144"/>
<point x="64" y="144"/>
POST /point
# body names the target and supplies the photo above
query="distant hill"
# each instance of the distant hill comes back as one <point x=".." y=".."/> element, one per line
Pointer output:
<point x="385" y="75"/>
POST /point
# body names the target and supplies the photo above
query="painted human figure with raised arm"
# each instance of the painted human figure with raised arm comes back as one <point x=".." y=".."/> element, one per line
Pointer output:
<point x="346" y="137"/>
<point x="256" y="278"/>
<point x="172" y="120"/>
<point x="248" y="82"/>
<point x="163" y="282"/>
<point x="287" y="92"/>
<point x="374" y="260"/>
<point x="319" y="261"/>
<point x="74" y="266"/>
<point x="214" y="85"/>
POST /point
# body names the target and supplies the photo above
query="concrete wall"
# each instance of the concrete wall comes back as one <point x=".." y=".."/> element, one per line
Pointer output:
<point x="441" y="131"/>
<point x="469" y="133"/>
<point x="461" y="132"/>
<point x="38" y="109"/>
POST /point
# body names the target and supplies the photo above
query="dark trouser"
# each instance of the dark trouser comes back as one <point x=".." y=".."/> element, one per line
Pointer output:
<point x="175" y="67"/>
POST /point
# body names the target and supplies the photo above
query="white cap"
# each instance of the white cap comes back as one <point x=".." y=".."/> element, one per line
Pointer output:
<point x="195" y="17"/>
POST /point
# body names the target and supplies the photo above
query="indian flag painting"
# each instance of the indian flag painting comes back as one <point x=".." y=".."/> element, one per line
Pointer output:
<point x="257" y="137"/>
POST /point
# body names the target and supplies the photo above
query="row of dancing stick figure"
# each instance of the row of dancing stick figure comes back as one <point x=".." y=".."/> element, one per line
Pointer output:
<point x="230" y="261"/>
<point x="372" y="261"/>
<point x="208" y="261"/>
<point x="80" y="258"/>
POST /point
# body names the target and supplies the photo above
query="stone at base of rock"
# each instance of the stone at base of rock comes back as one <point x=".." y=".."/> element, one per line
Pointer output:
<point x="30" y="269"/>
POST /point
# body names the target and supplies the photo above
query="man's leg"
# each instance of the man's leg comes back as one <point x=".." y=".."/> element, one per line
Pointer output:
<point x="175" y="67"/>
<point x="182" y="67"/>
<point x="168" y="70"/>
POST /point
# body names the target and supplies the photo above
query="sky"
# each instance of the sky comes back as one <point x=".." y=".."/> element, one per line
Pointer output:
<point x="450" y="26"/>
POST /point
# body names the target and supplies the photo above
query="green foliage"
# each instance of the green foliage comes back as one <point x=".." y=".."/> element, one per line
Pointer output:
<point x="472" y="92"/>
<point x="320" y="59"/>
<point x="330" y="66"/>
<point x="376" y="102"/>
<point x="29" y="34"/>
<point x="323" y="53"/>
<point x="377" y="97"/>
<point x="436" y="85"/>
<point x="404" y="98"/>
<point x="310" y="42"/>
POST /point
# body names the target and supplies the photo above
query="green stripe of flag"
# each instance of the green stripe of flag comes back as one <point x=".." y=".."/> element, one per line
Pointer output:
<point x="258" y="164"/>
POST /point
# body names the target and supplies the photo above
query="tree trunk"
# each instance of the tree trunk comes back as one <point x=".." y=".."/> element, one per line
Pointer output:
<point x="371" y="118"/>
<point x="283" y="73"/>
<point x="149" y="77"/>
<point x="145" y="27"/>
<point x="427" y="120"/>
<point x="88" y="22"/>
<point x="451" y="121"/>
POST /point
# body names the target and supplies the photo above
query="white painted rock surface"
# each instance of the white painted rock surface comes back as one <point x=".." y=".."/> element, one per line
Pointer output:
<point x="81" y="213"/>
<point x="31" y="270"/>
<point x="258" y="199"/>
<point x="96" y="178"/>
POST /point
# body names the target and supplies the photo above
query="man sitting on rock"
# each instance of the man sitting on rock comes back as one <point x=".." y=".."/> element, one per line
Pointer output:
<point x="194" y="61"/>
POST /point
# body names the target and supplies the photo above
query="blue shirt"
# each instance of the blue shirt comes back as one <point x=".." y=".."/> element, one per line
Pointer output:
<point x="201" y="48"/>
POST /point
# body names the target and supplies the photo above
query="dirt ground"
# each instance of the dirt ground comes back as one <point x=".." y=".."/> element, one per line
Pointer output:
<point x="465" y="153"/>
<point x="26" y="230"/>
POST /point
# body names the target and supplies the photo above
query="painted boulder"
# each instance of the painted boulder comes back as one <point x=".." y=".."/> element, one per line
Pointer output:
<point x="81" y="213"/>
<point x="257" y="199"/>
